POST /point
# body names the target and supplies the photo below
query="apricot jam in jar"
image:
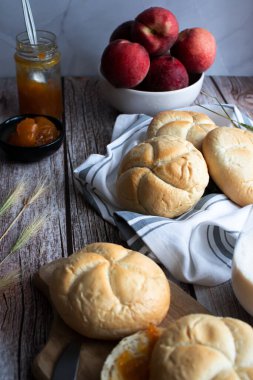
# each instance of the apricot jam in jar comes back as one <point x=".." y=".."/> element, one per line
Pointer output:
<point x="38" y="75"/>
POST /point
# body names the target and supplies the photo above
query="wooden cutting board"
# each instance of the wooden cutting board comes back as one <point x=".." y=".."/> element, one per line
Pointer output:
<point x="93" y="352"/>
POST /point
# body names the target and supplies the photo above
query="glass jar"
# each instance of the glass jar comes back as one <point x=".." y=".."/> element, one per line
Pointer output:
<point x="38" y="75"/>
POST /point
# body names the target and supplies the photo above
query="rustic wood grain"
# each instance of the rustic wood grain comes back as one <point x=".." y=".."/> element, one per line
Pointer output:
<point x="89" y="124"/>
<point x="25" y="315"/>
<point x="237" y="90"/>
<point x="209" y="87"/>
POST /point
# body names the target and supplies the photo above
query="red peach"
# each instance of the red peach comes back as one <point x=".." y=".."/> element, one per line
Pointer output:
<point x="125" y="63"/>
<point x="196" y="49"/>
<point x="156" y="29"/>
<point x="123" y="31"/>
<point x="166" y="73"/>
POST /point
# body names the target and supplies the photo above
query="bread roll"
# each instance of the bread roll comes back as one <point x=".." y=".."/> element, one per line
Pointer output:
<point x="195" y="347"/>
<point x="191" y="126"/>
<point x="107" y="291"/>
<point x="201" y="346"/>
<point x="162" y="176"/>
<point x="229" y="156"/>
<point x="131" y="355"/>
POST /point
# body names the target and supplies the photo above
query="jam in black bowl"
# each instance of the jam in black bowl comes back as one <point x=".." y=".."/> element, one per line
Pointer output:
<point x="28" y="153"/>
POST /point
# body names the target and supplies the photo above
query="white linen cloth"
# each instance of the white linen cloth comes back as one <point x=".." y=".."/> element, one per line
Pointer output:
<point x="196" y="247"/>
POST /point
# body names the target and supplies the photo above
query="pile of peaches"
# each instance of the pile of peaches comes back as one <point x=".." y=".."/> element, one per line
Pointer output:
<point x="150" y="54"/>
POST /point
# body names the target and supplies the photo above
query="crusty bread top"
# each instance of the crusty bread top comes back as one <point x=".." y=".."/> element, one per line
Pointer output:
<point x="229" y="156"/>
<point x="162" y="176"/>
<point x="200" y="346"/>
<point x="107" y="291"/>
<point x="192" y="126"/>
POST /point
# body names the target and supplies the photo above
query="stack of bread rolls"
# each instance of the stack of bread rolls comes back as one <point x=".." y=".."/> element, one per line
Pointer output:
<point x="167" y="174"/>
<point x="194" y="347"/>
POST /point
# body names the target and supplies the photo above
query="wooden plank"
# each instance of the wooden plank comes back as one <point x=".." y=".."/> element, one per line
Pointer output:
<point x="89" y="123"/>
<point x="209" y="88"/>
<point x="25" y="315"/>
<point x="237" y="90"/>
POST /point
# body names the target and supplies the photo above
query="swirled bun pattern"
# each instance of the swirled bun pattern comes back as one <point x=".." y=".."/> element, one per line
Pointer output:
<point x="201" y="346"/>
<point x="188" y="125"/>
<point x="107" y="291"/>
<point x="162" y="176"/>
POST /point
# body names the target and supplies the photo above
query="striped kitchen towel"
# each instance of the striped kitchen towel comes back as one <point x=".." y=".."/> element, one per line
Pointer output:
<point x="196" y="247"/>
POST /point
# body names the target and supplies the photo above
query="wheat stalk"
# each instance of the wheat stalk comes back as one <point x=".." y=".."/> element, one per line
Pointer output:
<point x="27" y="233"/>
<point x="12" y="197"/>
<point x="10" y="279"/>
<point x="38" y="191"/>
<point x="226" y="116"/>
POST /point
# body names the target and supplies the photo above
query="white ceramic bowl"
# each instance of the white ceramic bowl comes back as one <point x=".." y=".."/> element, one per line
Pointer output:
<point x="131" y="101"/>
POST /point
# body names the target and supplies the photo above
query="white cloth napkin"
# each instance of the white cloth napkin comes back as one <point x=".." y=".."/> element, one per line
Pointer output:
<point x="196" y="247"/>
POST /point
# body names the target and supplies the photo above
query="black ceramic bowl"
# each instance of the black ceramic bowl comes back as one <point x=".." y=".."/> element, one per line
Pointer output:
<point x="28" y="154"/>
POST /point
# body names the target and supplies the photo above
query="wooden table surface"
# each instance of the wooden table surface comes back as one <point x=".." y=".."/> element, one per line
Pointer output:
<point x="25" y="315"/>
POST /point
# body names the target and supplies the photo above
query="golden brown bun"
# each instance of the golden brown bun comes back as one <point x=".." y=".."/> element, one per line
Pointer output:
<point x="107" y="291"/>
<point x="229" y="156"/>
<point x="191" y="126"/>
<point x="162" y="176"/>
<point x="201" y="346"/>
